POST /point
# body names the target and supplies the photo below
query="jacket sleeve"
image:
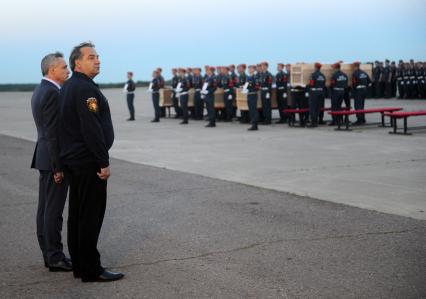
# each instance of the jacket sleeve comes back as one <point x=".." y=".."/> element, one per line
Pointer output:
<point x="50" y="120"/>
<point x="91" y="128"/>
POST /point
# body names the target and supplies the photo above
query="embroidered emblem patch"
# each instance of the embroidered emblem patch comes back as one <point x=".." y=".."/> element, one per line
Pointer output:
<point x="92" y="104"/>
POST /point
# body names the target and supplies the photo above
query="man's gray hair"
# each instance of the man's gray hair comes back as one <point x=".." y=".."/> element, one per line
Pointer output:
<point x="48" y="61"/>
<point x="76" y="53"/>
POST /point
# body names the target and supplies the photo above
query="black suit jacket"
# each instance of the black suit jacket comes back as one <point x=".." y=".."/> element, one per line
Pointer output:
<point x="45" y="108"/>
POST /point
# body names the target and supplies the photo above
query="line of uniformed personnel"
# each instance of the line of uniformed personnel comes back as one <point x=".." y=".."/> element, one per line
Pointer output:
<point x="407" y="79"/>
<point x="410" y="78"/>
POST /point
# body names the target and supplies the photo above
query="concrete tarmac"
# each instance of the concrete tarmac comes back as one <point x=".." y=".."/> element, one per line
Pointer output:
<point x="365" y="168"/>
<point x="181" y="235"/>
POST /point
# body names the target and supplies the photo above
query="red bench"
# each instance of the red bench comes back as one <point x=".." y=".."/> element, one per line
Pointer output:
<point x="292" y="114"/>
<point x="346" y="113"/>
<point x="394" y="116"/>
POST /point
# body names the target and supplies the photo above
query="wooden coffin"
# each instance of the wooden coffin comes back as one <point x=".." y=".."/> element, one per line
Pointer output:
<point x="301" y="72"/>
<point x="191" y="96"/>
<point x="166" y="97"/>
<point x="218" y="99"/>
<point x="242" y="105"/>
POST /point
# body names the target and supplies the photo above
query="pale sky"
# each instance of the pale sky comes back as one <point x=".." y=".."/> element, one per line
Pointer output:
<point x="142" y="35"/>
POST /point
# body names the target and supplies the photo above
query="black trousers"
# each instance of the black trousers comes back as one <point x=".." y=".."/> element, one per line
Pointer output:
<point x="198" y="106"/>
<point x="252" y="105"/>
<point x="87" y="203"/>
<point x="359" y="101"/>
<point x="315" y="100"/>
<point x="229" y="107"/>
<point x="266" y="105"/>
<point x="183" y="99"/>
<point x="337" y="97"/>
<point x="130" y="97"/>
<point x="175" y="101"/>
<point x="388" y="90"/>
<point x="282" y="103"/>
<point x="209" y="100"/>
<point x="51" y="202"/>
<point x="301" y="102"/>
<point x="401" y="90"/>
<point x="156" y="104"/>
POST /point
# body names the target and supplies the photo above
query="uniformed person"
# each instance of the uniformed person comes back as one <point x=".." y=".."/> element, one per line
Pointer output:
<point x="228" y="85"/>
<point x="266" y="92"/>
<point x="155" y="86"/>
<point x="316" y="94"/>
<point x="242" y="78"/>
<point x="376" y="79"/>
<point x="360" y="83"/>
<point x="129" y="89"/>
<point x="393" y="79"/>
<point x="400" y="79"/>
<point x="86" y="134"/>
<point x="197" y="84"/>
<point x="234" y="78"/>
<point x="207" y="94"/>
<point x="413" y="81"/>
<point x="182" y="92"/>
<point x="162" y="81"/>
<point x="251" y="90"/>
<point x="281" y="80"/>
<point x="175" y="100"/>
<point x="387" y="78"/>
<point x="338" y="84"/>
<point x="422" y="80"/>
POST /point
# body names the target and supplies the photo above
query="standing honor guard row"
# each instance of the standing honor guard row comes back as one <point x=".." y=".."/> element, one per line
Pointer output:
<point x="189" y="96"/>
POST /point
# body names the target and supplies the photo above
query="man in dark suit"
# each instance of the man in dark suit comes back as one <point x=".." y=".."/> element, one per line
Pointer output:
<point x="53" y="186"/>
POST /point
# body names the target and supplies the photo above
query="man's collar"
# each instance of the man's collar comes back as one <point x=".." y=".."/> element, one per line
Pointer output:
<point x="84" y="76"/>
<point x="53" y="82"/>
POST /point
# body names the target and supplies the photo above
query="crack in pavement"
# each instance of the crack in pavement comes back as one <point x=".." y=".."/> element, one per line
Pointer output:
<point x="212" y="253"/>
<point x="258" y="244"/>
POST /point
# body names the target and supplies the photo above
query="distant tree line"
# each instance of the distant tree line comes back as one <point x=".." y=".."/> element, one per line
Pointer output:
<point x="31" y="86"/>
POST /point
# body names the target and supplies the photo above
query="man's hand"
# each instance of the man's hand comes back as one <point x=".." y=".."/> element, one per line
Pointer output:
<point x="58" y="177"/>
<point x="104" y="174"/>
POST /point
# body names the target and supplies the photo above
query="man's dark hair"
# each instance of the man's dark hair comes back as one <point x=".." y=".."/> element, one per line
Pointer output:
<point x="76" y="53"/>
<point x="48" y="61"/>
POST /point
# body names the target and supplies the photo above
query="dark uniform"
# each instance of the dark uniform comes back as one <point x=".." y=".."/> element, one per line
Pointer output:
<point x="157" y="84"/>
<point x="266" y="91"/>
<point x="376" y="80"/>
<point x="228" y="89"/>
<point x="178" y="111"/>
<point x="242" y="79"/>
<point x="316" y="96"/>
<point x="393" y="79"/>
<point x="281" y="80"/>
<point x="252" y="88"/>
<point x="400" y="80"/>
<point x="86" y="134"/>
<point x="338" y="84"/>
<point x="208" y="97"/>
<point x="130" y="96"/>
<point x="183" y="98"/>
<point x="386" y="78"/>
<point x="360" y="83"/>
<point x="197" y="84"/>
<point x="419" y="81"/>
<point x="162" y="83"/>
<point x="234" y="79"/>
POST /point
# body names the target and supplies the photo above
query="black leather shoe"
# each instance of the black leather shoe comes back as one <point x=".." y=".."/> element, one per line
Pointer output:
<point x="64" y="265"/>
<point x="184" y="122"/>
<point x="46" y="264"/>
<point x="130" y="119"/>
<point x="281" y="121"/>
<point x="210" y="125"/>
<point x="312" y="126"/>
<point x="252" y="128"/>
<point x="106" y="276"/>
<point x="155" y="121"/>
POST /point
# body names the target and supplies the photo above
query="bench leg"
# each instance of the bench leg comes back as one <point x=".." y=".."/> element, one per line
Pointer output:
<point x="383" y="119"/>
<point x="405" y="125"/>
<point x="395" y="125"/>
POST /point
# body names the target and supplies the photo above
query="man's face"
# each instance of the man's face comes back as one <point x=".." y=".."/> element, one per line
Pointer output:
<point x="251" y="71"/>
<point x="280" y="67"/>
<point x="88" y="63"/>
<point x="197" y="72"/>
<point x="59" y="72"/>
<point x="129" y="76"/>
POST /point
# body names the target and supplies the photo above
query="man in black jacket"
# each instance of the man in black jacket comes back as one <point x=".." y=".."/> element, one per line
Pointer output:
<point x="86" y="135"/>
<point x="53" y="186"/>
